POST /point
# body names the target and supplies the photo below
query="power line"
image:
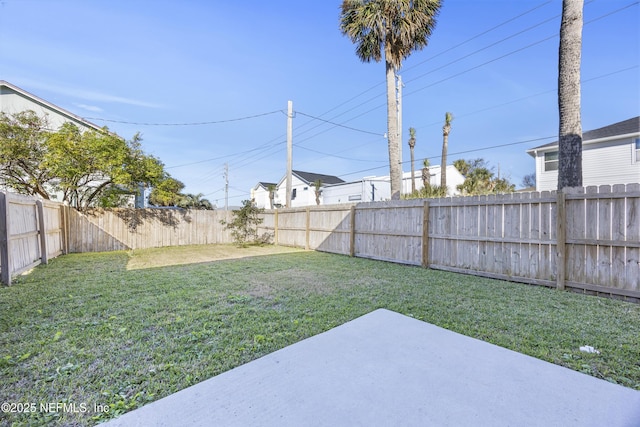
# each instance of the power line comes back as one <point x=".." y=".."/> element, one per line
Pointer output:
<point x="213" y="122"/>
<point x="338" y="124"/>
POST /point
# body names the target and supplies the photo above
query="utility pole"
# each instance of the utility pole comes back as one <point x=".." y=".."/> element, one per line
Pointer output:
<point x="226" y="186"/>
<point x="399" y="110"/>
<point x="289" y="151"/>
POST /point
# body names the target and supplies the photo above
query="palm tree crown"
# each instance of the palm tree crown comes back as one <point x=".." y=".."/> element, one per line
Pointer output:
<point x="389" y="29"/>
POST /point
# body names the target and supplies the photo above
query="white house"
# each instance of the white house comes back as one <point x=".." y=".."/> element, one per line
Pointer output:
<point x="610" y="155"/>
<point x="377" y="188"/>
<point x="260" y="194"/>
<point x="335" y="190"/>
<point x="14" y="100"/>
<point x="302" y="190"/>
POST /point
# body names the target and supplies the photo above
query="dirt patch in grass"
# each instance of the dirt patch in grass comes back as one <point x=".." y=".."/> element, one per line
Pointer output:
<point x="193" y="254"/>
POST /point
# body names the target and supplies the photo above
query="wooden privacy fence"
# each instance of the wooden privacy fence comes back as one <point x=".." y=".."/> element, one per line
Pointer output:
<point x="31" y="232"/>
<point x="99" y="230"/>
<point x="586" y="239"/>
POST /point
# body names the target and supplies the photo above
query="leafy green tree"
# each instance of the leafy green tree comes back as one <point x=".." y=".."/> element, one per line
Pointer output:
<point x="195" y="201"/>
<point x="244" y="225"/>
<point x="389" y="29"/>
<point x="22" y="150"/>
<point x="89" y="168"/>
<point x="167" y="192"/>
<point x="479" y="179"/>
<point x="91" y="165"/>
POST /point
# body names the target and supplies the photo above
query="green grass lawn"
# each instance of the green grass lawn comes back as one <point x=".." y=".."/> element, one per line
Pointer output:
<point x="86" y="329"/>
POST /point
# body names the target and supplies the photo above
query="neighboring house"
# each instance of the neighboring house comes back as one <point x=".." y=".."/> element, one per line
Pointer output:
<point x="454" y="178"/>
<point x="303" y="188"/>
<point x="610" y="155"/>
<point x="377" y="188"/>
<point x="335" y="190"/>
<point x="260" y="194"/>
<point x="368" y="189"/>
<point x="14" y="100"/>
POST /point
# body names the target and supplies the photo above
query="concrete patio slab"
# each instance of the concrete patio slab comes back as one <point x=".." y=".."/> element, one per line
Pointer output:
<point x="386" y="369"/>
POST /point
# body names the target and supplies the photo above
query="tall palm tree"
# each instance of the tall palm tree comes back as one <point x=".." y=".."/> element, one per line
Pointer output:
<point x="570" y="135"/>
<point x="391" y="29"/>
<point x="448" y="117"/>
<point x="412" y="146"/>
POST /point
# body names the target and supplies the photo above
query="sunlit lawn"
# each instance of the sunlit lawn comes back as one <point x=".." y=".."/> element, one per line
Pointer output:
<point x="116" y="330"/>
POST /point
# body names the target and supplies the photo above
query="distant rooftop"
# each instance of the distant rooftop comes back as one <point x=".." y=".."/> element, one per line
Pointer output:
<point x="625" y="127"/>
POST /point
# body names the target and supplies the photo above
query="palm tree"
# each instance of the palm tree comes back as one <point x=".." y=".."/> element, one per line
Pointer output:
<point x="272" y="194"/>
<point x="318" y="185"/>
<point x="391" y="29"/>
<point x="412" y="146"/>
<point x="448" y="117"/>
<point x="570" y="137"/>
<point x="426" y="176"/>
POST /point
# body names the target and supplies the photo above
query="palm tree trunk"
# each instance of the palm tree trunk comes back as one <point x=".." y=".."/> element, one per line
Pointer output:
<point x="570" y="132"/>
<point x="443" y="164"/>
<point x="392" y="129"/>
<point x="413" y="172"/>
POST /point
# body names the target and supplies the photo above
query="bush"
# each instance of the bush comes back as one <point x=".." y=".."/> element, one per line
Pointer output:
<point x="244" y="226"/>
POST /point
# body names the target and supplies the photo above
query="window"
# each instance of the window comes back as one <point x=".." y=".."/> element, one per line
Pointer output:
<point x="637" y="150"/>
<point x="551" y="161"/>
<point x="293" y="193"/>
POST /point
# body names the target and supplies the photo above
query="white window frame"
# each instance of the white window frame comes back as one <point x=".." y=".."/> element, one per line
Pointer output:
<point x="545" y="162"/>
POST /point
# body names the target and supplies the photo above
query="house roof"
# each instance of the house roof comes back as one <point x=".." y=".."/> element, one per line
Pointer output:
<point x="310" y="177"/>
<point x="264" y="185"/>
<point x="626" y="127"/>
<point x="38" y="100"/>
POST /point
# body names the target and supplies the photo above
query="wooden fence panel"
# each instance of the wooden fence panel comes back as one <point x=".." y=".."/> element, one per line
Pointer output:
<point x="32" y="233"/>
<point x="292" y="225"/>
<point x="330" y="229"/>
<point x="390" y="231"/>
<point x="632" y="234"/>
<point x="99" y="230"/>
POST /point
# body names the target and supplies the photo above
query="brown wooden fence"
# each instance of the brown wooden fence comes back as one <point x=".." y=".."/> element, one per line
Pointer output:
<point x="31" y="232"/>
<point x="586" y="239"/>
<point x="99" y="230"/>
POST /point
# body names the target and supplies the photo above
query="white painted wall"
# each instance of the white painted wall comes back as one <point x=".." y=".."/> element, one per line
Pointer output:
<point x="12" y="102"/>
<point x="609" y="162"/>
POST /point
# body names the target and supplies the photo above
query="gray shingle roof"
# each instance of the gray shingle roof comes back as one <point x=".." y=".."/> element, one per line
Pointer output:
<point x="310" y="177"/>
<point x="621" y="128"/>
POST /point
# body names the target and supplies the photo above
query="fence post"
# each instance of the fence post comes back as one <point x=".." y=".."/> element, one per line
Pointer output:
<point x="352" y="232"/>
<point x="561" y="239"/>
<point x="64" y="228"/>
<point x="5" y="274"/>
<point x="275" y="227"/>
<point x="44" y="259"/>
<point x="425" y="235"/>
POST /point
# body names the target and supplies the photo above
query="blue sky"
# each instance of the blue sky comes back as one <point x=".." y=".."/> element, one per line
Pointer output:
<point x="159" y="67"/>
